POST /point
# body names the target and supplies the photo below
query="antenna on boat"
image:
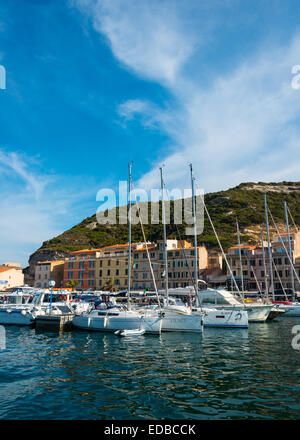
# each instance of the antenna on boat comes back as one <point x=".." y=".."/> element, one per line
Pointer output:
<point x="195" y="233"/>
<point x="290" y="250"/>
<point x="165" y="234"/>
<point x="240" y="254"/>
<point x="129" y="235"/>
<point x="269" y="248"/>
<point x="264" y="262"/>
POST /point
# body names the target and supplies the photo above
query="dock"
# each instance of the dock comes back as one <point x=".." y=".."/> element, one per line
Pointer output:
<point x="54" y="322"/>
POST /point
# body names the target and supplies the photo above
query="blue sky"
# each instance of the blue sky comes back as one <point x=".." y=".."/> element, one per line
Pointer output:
<point x="94" y="84"/>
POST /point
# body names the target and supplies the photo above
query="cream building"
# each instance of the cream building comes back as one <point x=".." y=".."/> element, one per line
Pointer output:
<point x="11" y="276"/>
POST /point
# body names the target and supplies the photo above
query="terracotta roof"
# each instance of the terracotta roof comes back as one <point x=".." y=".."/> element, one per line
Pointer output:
<point x="81" y="251"/>
<point x="244" y="247"/>
<point x="5" y="269"/>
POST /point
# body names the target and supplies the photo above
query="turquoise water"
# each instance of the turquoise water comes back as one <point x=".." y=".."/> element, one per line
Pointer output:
<point x="222" y="374"/>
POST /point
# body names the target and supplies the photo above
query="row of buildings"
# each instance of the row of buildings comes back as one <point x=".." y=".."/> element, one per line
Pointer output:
<point x="107" y="267"/>
<point x="253" y="267"/>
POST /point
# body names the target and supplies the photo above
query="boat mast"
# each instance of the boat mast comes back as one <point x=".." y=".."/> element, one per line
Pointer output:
<point x="264" y="262"/>
<point x="129" y="236"/>
<point x="290" y="251"/>
<point x="165" y="236"/>
<point x="269" y="248"/>
<point x="195" y="234"/>
<point x="240" y="254"/>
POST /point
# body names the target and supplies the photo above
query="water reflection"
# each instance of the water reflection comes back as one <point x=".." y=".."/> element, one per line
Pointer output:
<point x="226" y="373"/>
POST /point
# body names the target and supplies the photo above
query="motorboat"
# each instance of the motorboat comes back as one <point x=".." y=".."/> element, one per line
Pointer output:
<point x="22" y="308"/>
<point x="290" y="308"/>
<point x="222" y="299"/>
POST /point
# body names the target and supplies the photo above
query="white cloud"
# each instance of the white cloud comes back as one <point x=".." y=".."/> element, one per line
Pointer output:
<point x="239" y="127"/>
<point x="143" y="35"/>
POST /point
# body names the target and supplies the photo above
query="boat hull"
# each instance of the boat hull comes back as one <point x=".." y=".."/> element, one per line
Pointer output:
<point x="290" y="310"/>
<point x="173" y="322"/>
<point x="225" y="318"/>
<point x="16" y="317"/>
<point x="113" y="323"/>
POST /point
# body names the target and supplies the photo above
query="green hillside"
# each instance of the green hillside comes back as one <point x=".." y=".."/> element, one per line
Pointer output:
<point x="244" y="202"/>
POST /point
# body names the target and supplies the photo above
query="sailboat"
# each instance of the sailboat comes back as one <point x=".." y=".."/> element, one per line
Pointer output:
<point x="291" y="308"/>
<point x="112" y="317"/>
<point x="213" y="317"/>
<point x="223" y="299"/>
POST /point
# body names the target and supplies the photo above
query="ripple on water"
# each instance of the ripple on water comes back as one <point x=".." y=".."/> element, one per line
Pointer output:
<point x="231" y="374"/>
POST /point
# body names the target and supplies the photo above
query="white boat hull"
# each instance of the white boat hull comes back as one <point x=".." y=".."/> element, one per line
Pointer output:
<point x="16" y="317"/>
<point x="290" y="310"/>
<point x="258" y="313"/>
<point x="225" y="318"/>
<point x="113" y="323"/>
<point x="173" y="322"/>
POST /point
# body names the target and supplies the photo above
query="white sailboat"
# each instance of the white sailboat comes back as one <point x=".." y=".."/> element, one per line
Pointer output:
<point x="112" y="318"/>
<point x="291" y="308"/>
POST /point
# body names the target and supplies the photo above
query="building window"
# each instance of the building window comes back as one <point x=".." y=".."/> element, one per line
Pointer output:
<point x="100" y="273"/>
<point x="108" y="272"/>
<point x="117" y="271"/>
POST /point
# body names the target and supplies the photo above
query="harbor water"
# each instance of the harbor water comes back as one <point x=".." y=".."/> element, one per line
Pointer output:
<point x="222" y="374"/>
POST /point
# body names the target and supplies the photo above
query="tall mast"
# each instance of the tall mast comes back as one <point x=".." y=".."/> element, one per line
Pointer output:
<point x="165" y="236"/>
<point x="195" y="234"/>
<point x="269" y="248"/>
<point x="290" y="251"/>
<point x="129" y="235"/>
<point x="240" y="254"/>
<point x="264" y="262"/>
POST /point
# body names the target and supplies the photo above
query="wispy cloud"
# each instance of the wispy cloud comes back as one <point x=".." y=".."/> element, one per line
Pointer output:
<point x="35" y="205"/>
<point x="241" y="126"/>
<point x="143" y="35"/>
<point x="14" y="163"/>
